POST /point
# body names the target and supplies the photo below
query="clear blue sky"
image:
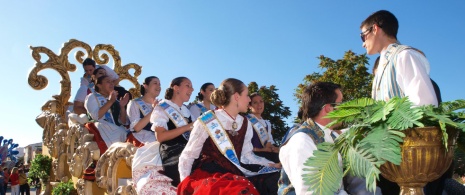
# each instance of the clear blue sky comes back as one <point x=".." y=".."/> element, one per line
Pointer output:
<point x="267" y="41"/>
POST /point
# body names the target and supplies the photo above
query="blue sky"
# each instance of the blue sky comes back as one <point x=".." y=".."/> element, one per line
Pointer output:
<point x="269" y="42"/>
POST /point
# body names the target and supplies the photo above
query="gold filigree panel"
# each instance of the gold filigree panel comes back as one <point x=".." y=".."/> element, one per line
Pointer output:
<point x="61" y="64"/>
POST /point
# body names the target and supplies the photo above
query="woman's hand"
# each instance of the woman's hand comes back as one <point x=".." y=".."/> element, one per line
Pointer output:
<point x="155" y="102"/>
<point x="124" y="100"/>
<point x="113" y="96"/>
<point x="276" y="165"/>
<point x="189" y="127"/>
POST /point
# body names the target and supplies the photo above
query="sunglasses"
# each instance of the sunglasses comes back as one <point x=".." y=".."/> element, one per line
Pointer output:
<point x="365" y="33"/>
<point x="333" y="104"/>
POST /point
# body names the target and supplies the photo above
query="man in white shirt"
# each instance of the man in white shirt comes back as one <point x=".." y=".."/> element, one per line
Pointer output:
<point x="89" y="67"/>
<point x="318" y="100"/>
<point x="402" y="71"/>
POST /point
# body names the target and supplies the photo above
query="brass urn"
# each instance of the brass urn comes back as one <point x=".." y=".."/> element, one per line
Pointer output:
<point x="424" y="159"/>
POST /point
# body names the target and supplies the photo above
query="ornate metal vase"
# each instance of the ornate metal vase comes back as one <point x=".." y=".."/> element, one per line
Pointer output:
<point x="424" y="159"/>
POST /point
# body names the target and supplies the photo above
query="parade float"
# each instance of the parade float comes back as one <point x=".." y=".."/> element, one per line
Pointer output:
<point x="77" y="153"/>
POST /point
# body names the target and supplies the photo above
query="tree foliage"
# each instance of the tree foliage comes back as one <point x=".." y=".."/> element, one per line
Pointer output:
<point x="274" y="110"/>
<point x="41" y="166"/>
<point x="350" y="72"/>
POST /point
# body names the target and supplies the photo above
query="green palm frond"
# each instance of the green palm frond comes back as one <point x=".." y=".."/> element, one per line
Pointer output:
<point x="451" y="106"/>
<point x="362" y="163"/>
<point x="405" y="115"/>
<point x="343" y="116"/>
<point x="381" y="110"/>
<point x="383" y="143"/>
<point x="326" y="176"/>
<point x="357" y="103"/>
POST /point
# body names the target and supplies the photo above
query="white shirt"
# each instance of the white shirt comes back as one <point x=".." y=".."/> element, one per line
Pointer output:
<point x="294" y="154"/>
<point x="412" y="75"/>
<point x="81" y="93"/>
<point x="159" y="117"/>
<point x="133" y="112"/>
<point x="199" y="135"/>
<point x="196" y="112"/>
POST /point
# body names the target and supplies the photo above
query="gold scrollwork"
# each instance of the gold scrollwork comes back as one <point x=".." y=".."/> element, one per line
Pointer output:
<point x="61" y="64"/>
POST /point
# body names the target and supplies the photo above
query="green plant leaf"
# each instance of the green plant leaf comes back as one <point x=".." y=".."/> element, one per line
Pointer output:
<point x="451" y="106"/>
<point x="362" y="163"/>
<point x="326" y="174"/>
<point x="381" y="110"/>
<point x="383" y="143"/>
<point x="405" y="115"/>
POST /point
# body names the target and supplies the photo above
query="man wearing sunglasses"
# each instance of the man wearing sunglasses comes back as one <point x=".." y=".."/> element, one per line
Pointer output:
<point x="402" y="71"/>
<point x="318" y="99"/>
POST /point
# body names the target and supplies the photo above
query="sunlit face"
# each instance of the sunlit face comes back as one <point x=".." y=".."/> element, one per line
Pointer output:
<point x="257" y="105"/>
<point x="88" y="70"/>
<point x="184" y="90"/>
<point x="243" y="99"/>
<point x="107" y="86"/>
<point x="153" y="86"/>
<point x="207" y="93"/>
<point x="370" y="39"/>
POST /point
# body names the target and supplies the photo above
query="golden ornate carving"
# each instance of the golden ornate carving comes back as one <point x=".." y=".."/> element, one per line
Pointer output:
<point x="424" y="159"/>
<point x="80" y="148"/>
<point x="61" y="64"/>
<point x="107" y="166"/>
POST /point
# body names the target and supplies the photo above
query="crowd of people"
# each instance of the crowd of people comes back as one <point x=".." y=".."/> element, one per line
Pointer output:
<point x="212" y="147"/>
<point x="17" y="177"/>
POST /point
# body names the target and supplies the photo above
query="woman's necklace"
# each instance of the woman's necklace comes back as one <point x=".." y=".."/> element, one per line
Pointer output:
<point x="233" y="131"/>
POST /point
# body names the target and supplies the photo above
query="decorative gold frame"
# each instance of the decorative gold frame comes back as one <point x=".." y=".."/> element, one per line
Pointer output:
<point x="70" y="145"/>
<point x="61" y="64"/>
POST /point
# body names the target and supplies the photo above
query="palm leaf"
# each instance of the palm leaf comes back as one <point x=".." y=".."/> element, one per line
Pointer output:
<point x="381" y="110"/>
<point x="325" y="175"/>
<point x="357" y="103"/>
<point x="383" y="143"/>
<point x="451" y="106"/>
<point x="362" y="163"/>
<point x="405" y="115"/>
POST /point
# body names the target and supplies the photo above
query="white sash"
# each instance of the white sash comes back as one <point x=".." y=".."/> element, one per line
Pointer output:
<point x="91" y="87"/>
<point x="202" y="108"/>
<point x="259" y="128"/>
<point x="101" y="101"/>
<point x="143" y="107"/>
<point x="219" y="136"/>
<point x="176" y="117"/>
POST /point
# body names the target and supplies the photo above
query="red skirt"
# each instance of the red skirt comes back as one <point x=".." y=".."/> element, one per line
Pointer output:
<point x="97" y="137"/>
<point x="131" y="139"/>
<point x="201" y="182"/>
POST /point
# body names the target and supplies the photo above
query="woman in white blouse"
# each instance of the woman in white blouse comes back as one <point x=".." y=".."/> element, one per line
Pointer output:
<point x="204" y="169"/>
<point x="263" y="144"/>
<point x="204" y="103"/>
<point x="109" y="112"/>
<point x="172" y="124"/>
<point x="139" y="111"/>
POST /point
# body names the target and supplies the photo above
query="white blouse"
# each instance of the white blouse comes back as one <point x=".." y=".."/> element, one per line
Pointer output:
<point x="133" y="111"/>
<point x="199" y="135"/>
<point x="196" y="112"/>
<point x="159" y="117"/>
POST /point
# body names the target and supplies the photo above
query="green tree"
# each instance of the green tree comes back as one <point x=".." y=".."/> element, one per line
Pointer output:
<point x="350" y="72"/>
<point x="274" y="110"/>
